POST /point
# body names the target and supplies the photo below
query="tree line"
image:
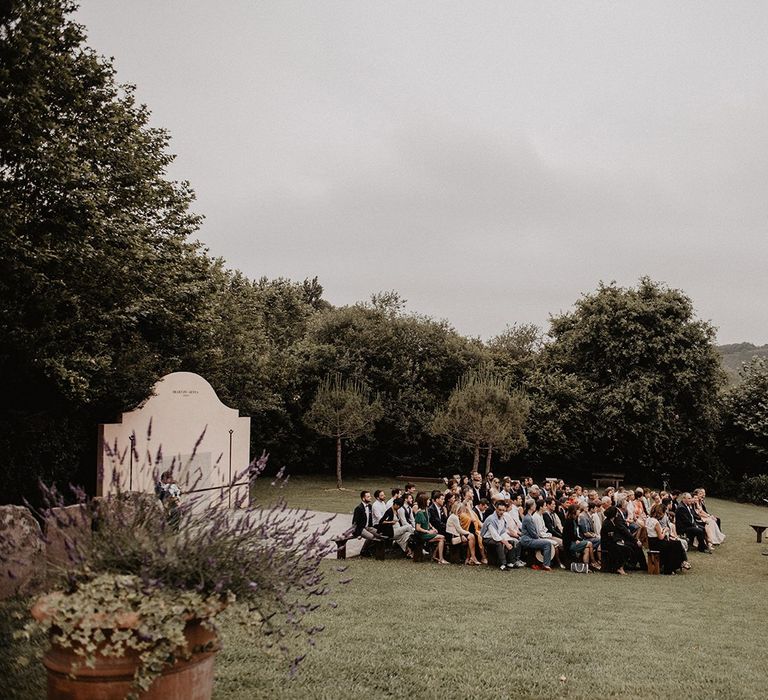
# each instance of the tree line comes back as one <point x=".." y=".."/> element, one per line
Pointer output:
<point x="104" y="289"/>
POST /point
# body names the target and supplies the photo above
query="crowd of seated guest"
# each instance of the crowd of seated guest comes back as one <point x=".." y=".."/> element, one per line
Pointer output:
<point x="511" y="520"/>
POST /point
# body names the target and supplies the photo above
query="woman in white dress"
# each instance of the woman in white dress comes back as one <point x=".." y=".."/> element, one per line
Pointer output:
<point x="715" y="536"/>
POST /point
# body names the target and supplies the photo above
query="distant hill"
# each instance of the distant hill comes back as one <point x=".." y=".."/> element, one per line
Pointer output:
<point x="736" y="354"/>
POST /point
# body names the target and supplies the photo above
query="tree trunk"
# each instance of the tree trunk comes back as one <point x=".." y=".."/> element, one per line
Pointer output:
<point x="488" y="459"/>
<point x="476" y="461"/>
<point x="338" y="462"/>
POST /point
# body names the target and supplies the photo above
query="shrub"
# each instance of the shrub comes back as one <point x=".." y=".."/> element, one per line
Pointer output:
<point x="754" y="489"/>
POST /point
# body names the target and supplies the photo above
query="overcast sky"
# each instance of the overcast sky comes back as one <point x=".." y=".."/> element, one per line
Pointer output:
<point x="490" y="161"/>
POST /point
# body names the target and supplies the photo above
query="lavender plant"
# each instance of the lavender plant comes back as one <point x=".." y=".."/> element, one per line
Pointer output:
<point x="262" y="565"/>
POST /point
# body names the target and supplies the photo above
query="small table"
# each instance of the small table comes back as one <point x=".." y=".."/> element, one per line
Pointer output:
<point x="759" y="529"/>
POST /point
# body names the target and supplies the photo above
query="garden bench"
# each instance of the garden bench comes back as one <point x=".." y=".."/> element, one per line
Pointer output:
<point x="654" y="563"/>
<point x="379" y="546"/>
<point x="759" y="529"/>
<point x="614" y="479"/>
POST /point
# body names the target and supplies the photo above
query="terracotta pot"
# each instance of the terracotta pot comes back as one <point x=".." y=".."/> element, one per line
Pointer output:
<point x="112" y="678"/>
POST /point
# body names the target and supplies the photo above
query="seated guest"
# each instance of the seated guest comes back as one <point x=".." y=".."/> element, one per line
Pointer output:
<point x="396" y="493"/>
<point x="668" y="521"/>
<point x="671" y="553"/>
<point x="689" y="525"/>
<point x="482" y="509"/>
<point x="586" y="525"/>
<point x="494" y="534"/>
<point x="362" y="522"/>
<point x="379" y="506"/>
<point x="702" y="494"/>
<point x="641" y="496"/>
<point x="711" y="523"/>
<point x="637" y="560"/>
<point x="551" y="521"/>
<point x="477" y="487"/>
<point x="424" y="531"/>
<point x="596" y="513"/>
<point x="405" y="514"/>
<point x="614" y="543"/>
<point x="513" y="518"/>
<point x="458" y="534"/>
<point x="448" y="501"/>
<point x="471" y="520"/>
<point x="392" y="526"/>
<point x="579" y="547"/>
<point x="623" y="508"/>
<point x="436" y="515"/>
<point x="543" y="531"/>
<point x="529" y="536"/>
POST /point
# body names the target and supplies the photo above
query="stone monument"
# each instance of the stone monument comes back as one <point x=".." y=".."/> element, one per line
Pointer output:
<point x="183" y="427"/>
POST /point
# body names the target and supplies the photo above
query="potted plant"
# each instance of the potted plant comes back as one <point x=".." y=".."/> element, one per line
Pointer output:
<point x="134" y="612"/>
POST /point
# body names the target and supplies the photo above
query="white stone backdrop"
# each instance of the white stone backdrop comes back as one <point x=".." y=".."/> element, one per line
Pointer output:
<point x="167" y="430"/>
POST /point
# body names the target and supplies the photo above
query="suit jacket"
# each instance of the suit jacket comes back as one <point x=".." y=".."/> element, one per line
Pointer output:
<point x="388" y="530"/>
<point x="482" y="516"/>
<point x="622" y="530"/>
<point x="360" y="518"/>
<point x="436" y="518"/>
<point x="477" y="494"/>
<point x="685" y="518"/>
<point x="549" y="521"/>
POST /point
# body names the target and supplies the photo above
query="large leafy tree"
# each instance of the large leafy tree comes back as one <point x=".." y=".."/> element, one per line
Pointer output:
<point x="343" y="410"/>
<point x="745" y="419"/>
<point x="412" y="362"/>
<point x="646" y="375"/>
<point x="483" y="411"/>
<point x="101" y="288"/>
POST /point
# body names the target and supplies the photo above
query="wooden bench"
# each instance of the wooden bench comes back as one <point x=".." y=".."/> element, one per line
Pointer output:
<point x="379" y="547"/>
<point x="654" y="563"/>
<point x="421" y="479"/>
<point x="612" y="479"/>
<point x="759" y="529"/>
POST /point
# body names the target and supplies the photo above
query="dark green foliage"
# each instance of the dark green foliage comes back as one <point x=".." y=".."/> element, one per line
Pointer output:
<point x="484" y="412"/>
<point x="754" y="489"/>
<point x="744" y="437"/>
<point x="411" y="362"/>
<point x="636" y="378"/>
<point x="101" y="290"/>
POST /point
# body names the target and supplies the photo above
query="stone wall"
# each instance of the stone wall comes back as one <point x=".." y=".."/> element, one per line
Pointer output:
<point x="22" y="552"/>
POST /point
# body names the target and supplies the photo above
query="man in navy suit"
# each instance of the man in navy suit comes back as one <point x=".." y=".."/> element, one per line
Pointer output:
<point x="362" y="522"/>
<point x="689" y="525"/>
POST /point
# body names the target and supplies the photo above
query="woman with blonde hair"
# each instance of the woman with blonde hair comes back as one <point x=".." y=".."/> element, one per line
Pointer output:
<point x="458" y="534"/>
<point x="469" y="520"/>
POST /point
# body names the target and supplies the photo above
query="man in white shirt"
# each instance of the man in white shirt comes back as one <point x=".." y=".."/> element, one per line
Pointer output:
<point x="379" y="507"/>
<point x="494" y="534"/>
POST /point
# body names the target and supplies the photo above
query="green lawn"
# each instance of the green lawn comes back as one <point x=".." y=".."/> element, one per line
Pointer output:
<point x="321" y="494"/>
<point x="430" y="631"/>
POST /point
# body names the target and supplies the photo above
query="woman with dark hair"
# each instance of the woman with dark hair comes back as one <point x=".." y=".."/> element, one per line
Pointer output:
<point x="618" y="552"/>
<point x="671" y="553"/>
<point x="425" y="532"/>
<point x="573" y="540"/>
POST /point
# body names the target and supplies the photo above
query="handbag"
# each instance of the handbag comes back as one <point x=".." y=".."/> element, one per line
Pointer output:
<point x="580" y="567"/>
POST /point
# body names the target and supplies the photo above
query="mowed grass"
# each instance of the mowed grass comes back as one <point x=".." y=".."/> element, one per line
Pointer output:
<point x="430" y="631"/>
<point x="316" y="493"/>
